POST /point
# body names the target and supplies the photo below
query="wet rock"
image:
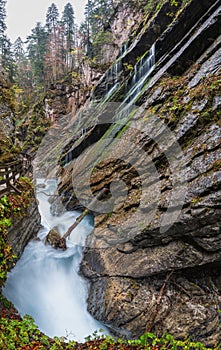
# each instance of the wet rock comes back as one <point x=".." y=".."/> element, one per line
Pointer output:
<point x="41" y="185"/>
<point x="210" y="66"/>
<point x="23" y="230"/>
<point x="55" y="240"/>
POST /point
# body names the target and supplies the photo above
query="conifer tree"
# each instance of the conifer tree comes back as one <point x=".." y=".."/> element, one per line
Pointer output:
<point x="68" y="21"/>
<point x="37" y="44"/>
<point x="18" y="49"/>
<point x="23" y="72"/>
<point x="6" y="57"/>
<point x="96" y="28"/>
<point x="52" y="17"/>
<point x="2" y="17"/>
<point x="87" y="28"/>
<point x="3" y="39"/>
<point x="55" y="57"/>
<point x="7" y="60"/>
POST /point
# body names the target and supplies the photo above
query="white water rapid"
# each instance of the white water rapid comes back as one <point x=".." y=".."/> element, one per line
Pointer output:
<point x="45" y="283"/>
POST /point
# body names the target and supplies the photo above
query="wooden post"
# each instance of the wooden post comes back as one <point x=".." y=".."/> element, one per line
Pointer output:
<point x="14" y="173"/>
<point x="7" y="178"/>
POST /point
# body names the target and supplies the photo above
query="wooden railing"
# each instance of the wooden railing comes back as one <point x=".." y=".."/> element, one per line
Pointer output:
<point x="10" y="172"/>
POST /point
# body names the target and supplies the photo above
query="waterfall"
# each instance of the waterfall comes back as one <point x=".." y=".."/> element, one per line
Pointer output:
<point x="142" y="71"/>
<point x="45" y="282"/>
<point x="124" y="49"/>
<point x="134" y="86"/>
<point x="112" y="75"/>
<point x="110" y="92"/>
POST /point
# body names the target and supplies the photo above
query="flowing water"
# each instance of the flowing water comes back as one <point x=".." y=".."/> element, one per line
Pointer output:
<point x="45" y="283"/>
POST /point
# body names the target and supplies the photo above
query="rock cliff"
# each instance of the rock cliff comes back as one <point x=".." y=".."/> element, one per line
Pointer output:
<point x="26" y="222"/>
<point x="154" y="257"/>
<point x="24" y="228"/>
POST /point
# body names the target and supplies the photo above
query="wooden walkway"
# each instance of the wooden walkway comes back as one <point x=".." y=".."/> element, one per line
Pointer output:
<point x="9" y="174"/>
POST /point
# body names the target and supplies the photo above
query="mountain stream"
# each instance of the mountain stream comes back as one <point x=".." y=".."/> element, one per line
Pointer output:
<point x="45" y="282"/>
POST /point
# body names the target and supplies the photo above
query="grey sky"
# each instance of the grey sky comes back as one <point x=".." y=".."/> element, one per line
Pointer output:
<point x="22" y="15"/>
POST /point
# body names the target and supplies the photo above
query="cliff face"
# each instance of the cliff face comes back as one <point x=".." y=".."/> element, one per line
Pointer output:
<point x="8" y="150"/>
<point x="154" y="257"/>
<point x="26" y="223"/>
<point x="25" y="228"/>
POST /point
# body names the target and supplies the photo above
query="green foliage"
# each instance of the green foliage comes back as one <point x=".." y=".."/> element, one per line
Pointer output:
<point x="147" y="341"/>
<point x="173" y="3"/>
<point x="16" y="334"/>
<point x="52" y="17"/>
<point x="153" y="5"/>
<point x="2" y="17"/>
<point x="34" y="127"/>
<point x="37" y="43"/>
<point x="24" y="334"/>
<point x="98" y="15"/>
<point x="6" y="61"/>
<point x="7" y="259"/>
<point x="12" y="206"/>
<point x="150" y="341"/>
<point x="4" y="222"/>
<point x="128" y="67"/>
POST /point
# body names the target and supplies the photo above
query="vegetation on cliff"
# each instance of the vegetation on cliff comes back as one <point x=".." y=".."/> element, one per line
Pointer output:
<point x="12" y="206"/>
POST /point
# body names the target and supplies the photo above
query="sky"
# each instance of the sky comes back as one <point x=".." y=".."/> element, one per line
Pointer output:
<point x="22" y="15"/>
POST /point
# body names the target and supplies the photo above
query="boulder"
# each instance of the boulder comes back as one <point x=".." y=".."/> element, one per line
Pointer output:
<point x="55" y="240"/>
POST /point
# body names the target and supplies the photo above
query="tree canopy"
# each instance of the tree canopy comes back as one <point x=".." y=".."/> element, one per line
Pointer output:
<point x="58" y="46"/>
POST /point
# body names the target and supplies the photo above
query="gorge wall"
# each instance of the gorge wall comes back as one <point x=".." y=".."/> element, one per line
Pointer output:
<point x="151" y="134"/>
<point x="25" y="222"/>
<point x="24" y="228"/>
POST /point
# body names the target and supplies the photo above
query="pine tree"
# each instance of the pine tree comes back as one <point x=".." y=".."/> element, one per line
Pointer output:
<point x="55" y="58"/>
<point x="102" y="12"/>
<point x="7" y="59"/>
<point x="18" y="49"/>
<point x="23" y="74"/>
<point x="96" y="28"/>
<point x="6" y="56"/>
<point x="2" y="17"/>
<point x="3" y="39"/>
<point x="68" y="21"/>
<point x="87" y="28"/>
<point x="37" y="46"/>
<point x="52" y="17"/>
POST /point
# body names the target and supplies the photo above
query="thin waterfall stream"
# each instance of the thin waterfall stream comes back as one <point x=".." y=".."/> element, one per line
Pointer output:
<point x="45" y="282"/>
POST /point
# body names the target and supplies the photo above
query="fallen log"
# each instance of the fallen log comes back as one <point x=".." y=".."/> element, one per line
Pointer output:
<point x="53" y="237"/>
<point x="85" y="212"/>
